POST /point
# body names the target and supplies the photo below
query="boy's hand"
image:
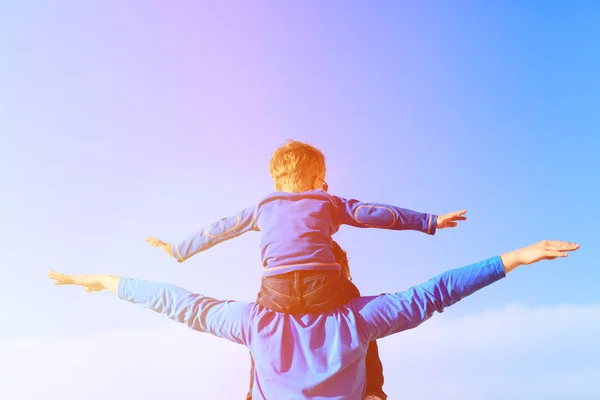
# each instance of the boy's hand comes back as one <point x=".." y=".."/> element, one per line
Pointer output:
<point x="450" y="220"/>
<point x="166" y="247"/>
<point x="155" y="242"/>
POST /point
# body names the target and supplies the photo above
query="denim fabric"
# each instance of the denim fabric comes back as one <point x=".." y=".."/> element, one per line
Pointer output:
<point x="306" y="292"/>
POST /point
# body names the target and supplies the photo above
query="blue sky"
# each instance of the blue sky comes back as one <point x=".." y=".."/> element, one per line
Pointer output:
<point x="126" y="120"/>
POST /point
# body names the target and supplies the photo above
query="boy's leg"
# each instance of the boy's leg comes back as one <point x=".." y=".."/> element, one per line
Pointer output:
<point x="278" y="293"/>
<point x="249" y="394"/>
<point x="374" y="372"/>
<point x="324" y="291"/>
<point x="373" y="365"/>
<point x="306" y="292"/>
<point x="303" y="292"/>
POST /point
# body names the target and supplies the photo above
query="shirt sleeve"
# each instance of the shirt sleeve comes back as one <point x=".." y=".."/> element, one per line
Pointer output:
<point x="374" y="215"/>
<point x="220" y="231"/>
<point x="224" y="319"/>
<point x="387" y="314"/>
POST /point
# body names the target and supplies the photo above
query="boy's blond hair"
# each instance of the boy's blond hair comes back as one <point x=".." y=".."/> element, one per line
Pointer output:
<point x="297" y="167"/>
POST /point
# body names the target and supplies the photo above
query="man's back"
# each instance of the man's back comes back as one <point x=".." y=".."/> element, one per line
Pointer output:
<point x="307" y="355"/>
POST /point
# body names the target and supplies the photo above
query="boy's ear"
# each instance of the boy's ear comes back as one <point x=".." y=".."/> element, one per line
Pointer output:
<point x="319" y="181"/>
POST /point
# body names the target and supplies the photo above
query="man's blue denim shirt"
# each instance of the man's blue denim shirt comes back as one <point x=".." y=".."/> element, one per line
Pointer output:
<point x="315" y="356"/>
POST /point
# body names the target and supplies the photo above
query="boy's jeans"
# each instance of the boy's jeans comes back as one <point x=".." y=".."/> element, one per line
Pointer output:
<point x="314" y="292"/>
<point x="306" y="292"/>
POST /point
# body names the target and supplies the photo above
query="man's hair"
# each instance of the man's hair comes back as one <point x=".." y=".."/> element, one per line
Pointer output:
<point x="341" y="258"/>
<point x="296" y="165"/>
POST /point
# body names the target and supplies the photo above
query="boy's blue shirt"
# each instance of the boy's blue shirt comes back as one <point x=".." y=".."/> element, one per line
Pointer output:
<point x="316" y="356"/>
<point x="297" y="228"/>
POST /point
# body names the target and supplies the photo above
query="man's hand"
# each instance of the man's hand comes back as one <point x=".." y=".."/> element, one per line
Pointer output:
<point x="166" y="247"/>
<point x="544" y="250"/>
<point x="91" y="283"/>
<point x="450" y="220"/>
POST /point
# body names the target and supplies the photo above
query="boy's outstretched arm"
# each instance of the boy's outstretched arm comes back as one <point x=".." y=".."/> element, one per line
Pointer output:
<point x="220" y="231"/>
<point x="374" y="215"/>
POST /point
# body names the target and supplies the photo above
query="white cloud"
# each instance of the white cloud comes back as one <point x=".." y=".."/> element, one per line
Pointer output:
<point x="516" y="352"/>
<point x="169" y="362"/>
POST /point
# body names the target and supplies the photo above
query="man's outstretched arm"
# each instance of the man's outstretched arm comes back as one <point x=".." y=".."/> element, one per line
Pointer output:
<point x="392" y="313"/>
<point x="226" y="319"/>
<point x="209" y="236"/>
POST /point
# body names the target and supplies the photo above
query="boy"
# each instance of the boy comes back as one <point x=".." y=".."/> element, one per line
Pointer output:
<point x="300" y="273"/>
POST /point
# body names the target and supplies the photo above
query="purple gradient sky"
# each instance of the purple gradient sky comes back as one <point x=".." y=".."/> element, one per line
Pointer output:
<point x="126" y="120"/>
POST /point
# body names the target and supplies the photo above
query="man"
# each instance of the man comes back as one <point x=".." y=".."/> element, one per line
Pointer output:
<point x="320" y="356"/>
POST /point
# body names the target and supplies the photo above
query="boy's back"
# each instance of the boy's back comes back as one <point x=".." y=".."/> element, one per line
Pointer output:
<point x="297" y="228"/>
